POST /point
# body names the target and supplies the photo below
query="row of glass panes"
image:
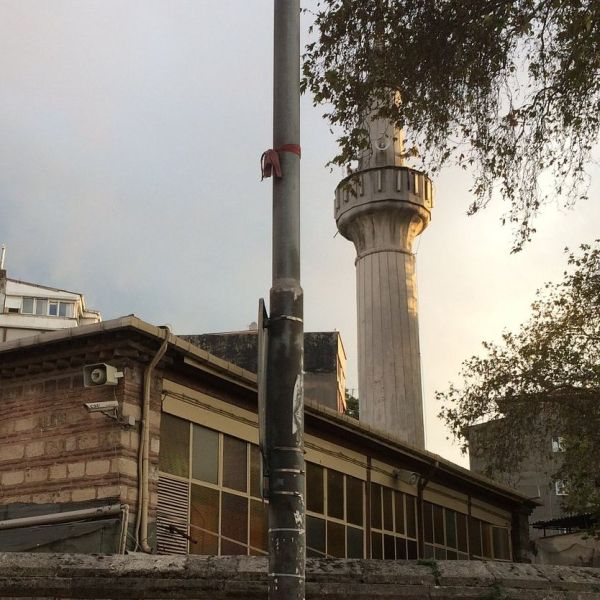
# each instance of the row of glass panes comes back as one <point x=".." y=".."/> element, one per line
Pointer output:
<point x="227" y="515"/>
<point x="223" y="523"/>
<point x="45" y="307"/>
<point x="341" y="500"/>
<point x="393" y="511"/>
<point x="450" y="535"/>
<point x="393" y="524"/>
<point x="208" y="456"/>
<point x="488" y="541"/>
<point x="325" y="537"/>
<point x="335" y="513"/>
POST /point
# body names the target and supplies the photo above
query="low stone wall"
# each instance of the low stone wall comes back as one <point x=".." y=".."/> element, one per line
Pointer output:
<point x="97" y="577"/>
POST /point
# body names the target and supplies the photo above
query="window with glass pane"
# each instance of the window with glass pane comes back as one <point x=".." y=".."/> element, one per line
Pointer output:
<point x="335" y="494"/>
<point x="461" y="532"/>
<point x="314" y="489"/>
<point x="204" y="543"/>
<point x="255" y="472"/>
<point x="27" y="306"/>
<point x="428" y="521"/>
<point x="205" y="454"/>
<point x="258" y="524"/>
<point x="475" y="536"/>
<point x="450" y="528"/>
<point x="411" y="550"/>
<point x="235" y="463"/>
<point x="388" y="509"/>
<point x="65" y="309"/>
<point x="389" y="547"/>
<point x="315" y="536"/>
<point x="411" y="516"/>
<point x="204" y="520"/>
<point x="438" y="525"/>
<point x="376" y="542"/>
<point x="174" y="445"/>
<point x="355" y="543"/>
<point x="400" y="548"/>
<point x="336" y="542"/>
<point x="229" y="548"/>
<point x="399" y="511"/>
<point x="234" y="520"/>
<point x="486" y="538"/>
<point x="41" y="306"/>
<point x="376" y="505"/>
<point x="501" y="543"/>
<point x="354" y="500"/>
<point x="53" y="308"/>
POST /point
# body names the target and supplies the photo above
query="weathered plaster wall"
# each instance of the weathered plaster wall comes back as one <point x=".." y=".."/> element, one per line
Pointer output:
<point x="53" y="576"/>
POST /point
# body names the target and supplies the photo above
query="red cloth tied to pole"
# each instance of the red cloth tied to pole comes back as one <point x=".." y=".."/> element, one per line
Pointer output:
<point x="269" y="161"/>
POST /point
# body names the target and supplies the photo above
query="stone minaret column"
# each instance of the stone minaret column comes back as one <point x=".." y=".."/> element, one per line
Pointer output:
<point x="382" y="207"/>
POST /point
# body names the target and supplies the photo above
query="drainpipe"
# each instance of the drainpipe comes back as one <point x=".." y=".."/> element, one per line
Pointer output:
<point x="144" y="450"/>
<point x="421" y="485"/>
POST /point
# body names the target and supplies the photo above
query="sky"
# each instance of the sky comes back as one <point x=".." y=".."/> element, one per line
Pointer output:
<point x="130" y="139"/>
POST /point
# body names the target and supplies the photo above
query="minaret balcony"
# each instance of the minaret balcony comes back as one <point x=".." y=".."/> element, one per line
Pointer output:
<point x="383" y="185"/>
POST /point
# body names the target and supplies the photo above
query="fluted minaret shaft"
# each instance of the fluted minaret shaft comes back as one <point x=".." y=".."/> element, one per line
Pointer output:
<point x="382" y="208"/>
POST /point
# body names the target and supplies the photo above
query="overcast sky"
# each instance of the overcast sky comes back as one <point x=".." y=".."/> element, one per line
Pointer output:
<point x="130" y="138"/>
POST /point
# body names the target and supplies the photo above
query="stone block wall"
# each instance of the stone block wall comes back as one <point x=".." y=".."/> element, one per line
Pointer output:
<point x="54" y="576"/>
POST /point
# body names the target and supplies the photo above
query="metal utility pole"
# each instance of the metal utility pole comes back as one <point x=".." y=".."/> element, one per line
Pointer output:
<point x="285" y="396"/>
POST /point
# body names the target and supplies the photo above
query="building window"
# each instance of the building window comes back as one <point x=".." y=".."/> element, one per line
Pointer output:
<point x="560" y="487"/>
<point x="209" y="490"/>
<point x="558" y="444"/>
<point x="226" y="514"/>
<point x="393" y="519"/>
<point x="335" y="513"/>
<point x="488" y="541"/>
<point x="46" y="308"/>
<point x="444" y="533"/>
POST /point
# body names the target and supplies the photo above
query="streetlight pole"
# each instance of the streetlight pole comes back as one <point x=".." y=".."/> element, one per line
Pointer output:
<point x="285" y="397"/>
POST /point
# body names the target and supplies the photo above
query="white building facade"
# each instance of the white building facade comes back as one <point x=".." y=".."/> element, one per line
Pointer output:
<point x="28" y="309"/>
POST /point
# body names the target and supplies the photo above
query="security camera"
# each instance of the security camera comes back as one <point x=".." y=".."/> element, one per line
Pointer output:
<point x="407" y="476"/>
<point x="107" y="406"/>
<point x="100" y="374"/>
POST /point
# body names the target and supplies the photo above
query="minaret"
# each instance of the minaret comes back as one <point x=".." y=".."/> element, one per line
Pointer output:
<point x="382" y="207"/>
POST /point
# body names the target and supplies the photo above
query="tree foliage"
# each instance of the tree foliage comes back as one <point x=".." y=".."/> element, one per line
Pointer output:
<point x="352" y="405"/>
<point x="542" y="381"/>
<point x="509" y="89"/>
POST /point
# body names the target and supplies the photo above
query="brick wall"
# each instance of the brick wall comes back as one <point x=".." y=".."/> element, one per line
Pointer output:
<point x="52" y="450"/>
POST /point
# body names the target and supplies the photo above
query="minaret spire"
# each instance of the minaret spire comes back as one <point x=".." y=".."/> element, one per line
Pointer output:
<point x="381" y="208"/>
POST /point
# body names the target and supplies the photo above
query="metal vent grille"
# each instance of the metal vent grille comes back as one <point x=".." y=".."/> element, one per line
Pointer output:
<point x="172" y="516"/>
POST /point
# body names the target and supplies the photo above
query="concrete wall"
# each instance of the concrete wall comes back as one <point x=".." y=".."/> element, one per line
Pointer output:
<point x="53" y="576"/>
<point x="533" y="477"/>
<point x="568" y="549"/>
